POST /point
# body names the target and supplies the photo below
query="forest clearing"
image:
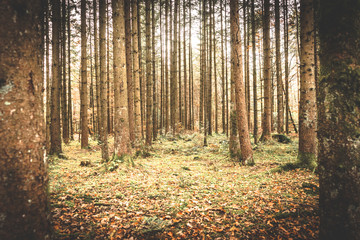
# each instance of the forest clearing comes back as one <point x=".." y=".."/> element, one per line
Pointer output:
<point x="182" y="190"/>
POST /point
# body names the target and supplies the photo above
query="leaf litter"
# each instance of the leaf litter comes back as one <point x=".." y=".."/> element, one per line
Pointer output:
<point x="183" y="190"/>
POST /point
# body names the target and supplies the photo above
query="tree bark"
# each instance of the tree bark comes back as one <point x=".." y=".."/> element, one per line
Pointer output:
<point x="148" y="75"/>
<point x="307" y="109"/>
<point x="339" y="116"/>
<point x="136" y="69"/>
<point x="84" y="89"/>
<point x="236" y="59"/>
<point x="279" y="85"/>
<point x="122" y="143"/>
<point x="55" y="134"/>
<point x="129" y="70"/>
<point x="253" y="33"/>
<point x="23" y="184"/>
<point x="266" y="135"/>
<point x="103" y="88"/>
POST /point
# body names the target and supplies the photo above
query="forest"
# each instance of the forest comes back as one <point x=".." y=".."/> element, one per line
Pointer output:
<point x="180" y="119"/>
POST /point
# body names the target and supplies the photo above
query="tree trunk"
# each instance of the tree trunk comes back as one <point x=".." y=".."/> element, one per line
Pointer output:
<point x="286" y="53"/>
<point x="23" y="184"/>
<point x="55" y="134"/>
<point x="129" y="69"/>
<point x="236" y="59"/>
<point x="136" y="80"/>
<point x="154" y="94"/>
<point x="103" y="88"/>
<point x="185" y="70"/>
<point x="122" y="144"/>
<point x="266" y="135"/>
<point x="47" y="75"/>
<point x="97" y="79"/>
<point x="65" y="121"/>
<point x="173" y="80"/>
<point x="279" y="85"/>
<point x="253" y="33"/>
<point x="148" y="75"/>
<point x="339" y="116"/>
<point x="84" y="89"/>
<point x="307" y="109"/>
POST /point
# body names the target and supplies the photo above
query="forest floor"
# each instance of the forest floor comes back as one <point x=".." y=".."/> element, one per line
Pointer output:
<point x="182" y="190"/>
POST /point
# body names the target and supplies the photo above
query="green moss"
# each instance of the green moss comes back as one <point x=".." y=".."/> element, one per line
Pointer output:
<point x="307" y="160"/>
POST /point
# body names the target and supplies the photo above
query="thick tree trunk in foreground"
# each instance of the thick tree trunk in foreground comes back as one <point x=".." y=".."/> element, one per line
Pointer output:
<point x="339" y="116"/>
<point x="236" y="59"/>
<point x="121" y="144"/>
<point x="23" y="183"/>
<point x="307" y="109"/>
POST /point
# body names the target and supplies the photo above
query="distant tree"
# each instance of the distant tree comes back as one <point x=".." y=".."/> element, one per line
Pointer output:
<point x="23" y="182"/>
<point x="339" y="115"/>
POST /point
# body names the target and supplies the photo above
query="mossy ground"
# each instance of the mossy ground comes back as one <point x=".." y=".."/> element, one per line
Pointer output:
<point x="183" y="191"/>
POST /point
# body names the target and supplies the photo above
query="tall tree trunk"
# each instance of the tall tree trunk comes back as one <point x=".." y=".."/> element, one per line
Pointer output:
<point x="154" y="94"/>
<point x="23" y="183"/>
<point x="70" y="118"/>
<point x="266" y="135"/>
<point x="108" y="85"/>
<point x="209" y="83"/>
<point x="307" y="109"/>
<point x="179" y="64"/>
<point x="64" y="109"/>
<point x="253" y="33"/>
<point x="136" y="81"/>
<point x="167" y="66"/>
<point x="141" y="72"/>
<point x="148" y="75"/>
<point x="84" y="89"/>
<point x="202" y="65"/>
<point x="339" y="116"/>
<point x="47" y="75"/>
<point x="129" y="70"/>
<point x="215" y="73"/>
<point x="279" y="85"/>
<point x="286" y="52"/>
<point x="226" y="77"/>
<point x="122" y="143"/>
<point x="223" y="94"/>
<point x="55" y="134"/>
<point x="185" y="70"/>
<point x="191" y="77"/>
<point x="103" y="88"/>
<point x="97" y="70"/>
<point x="173" y="80"/>
<point x="236" y="58"/>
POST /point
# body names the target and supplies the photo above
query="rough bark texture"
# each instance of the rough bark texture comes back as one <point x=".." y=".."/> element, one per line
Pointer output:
<point x="103" y="88"/>
<point x="307" y="109"/>
<point x="97" y="70"/>
<point x="23" y="178"/>
<point x="266" y="135"/>
<point x="153" y="58"/>
<point x="148" y="75"/>
<point x="279" y="85"/>
<point x="253" y="34"/>
<point x="173" y="80"/>
<point x="236" y="59"/>
<point x="64" y="108"/>
<point x="84" y="89"/>
<point x="339" y="111"/>
<point x="55" y="134"/>
<point x="137" y="120"/>
<point x="121" y="129"/>
<point x="129" y="70"/>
